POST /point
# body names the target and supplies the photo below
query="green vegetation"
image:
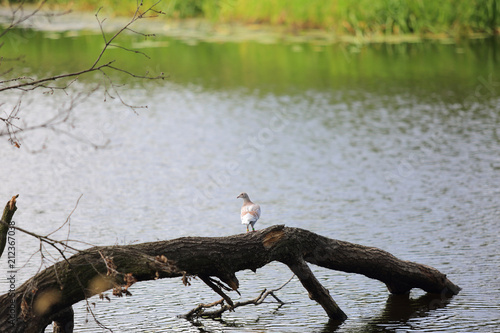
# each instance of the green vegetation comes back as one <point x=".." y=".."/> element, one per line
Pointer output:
<point x="380" y="17"/>
<point x="361" y="17"/>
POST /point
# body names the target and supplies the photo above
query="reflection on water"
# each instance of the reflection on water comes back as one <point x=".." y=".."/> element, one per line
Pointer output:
<point x="415" y="174"/>
<point x="432" y="70"/>
<point x="402" y="308"/>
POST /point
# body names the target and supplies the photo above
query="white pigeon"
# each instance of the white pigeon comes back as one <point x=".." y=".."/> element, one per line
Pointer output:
<point x="250" y="212"/>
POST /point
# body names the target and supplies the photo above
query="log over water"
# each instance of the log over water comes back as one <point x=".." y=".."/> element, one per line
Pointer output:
<point x="49" y="295"/>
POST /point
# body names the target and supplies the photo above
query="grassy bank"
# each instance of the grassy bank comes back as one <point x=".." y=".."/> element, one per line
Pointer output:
<point x="361" y="17"/>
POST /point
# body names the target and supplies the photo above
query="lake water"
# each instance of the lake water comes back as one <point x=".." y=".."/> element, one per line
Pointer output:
<point x="392" y="146"/>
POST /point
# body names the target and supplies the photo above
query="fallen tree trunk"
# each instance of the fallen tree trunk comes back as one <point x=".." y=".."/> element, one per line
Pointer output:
<point x="49" y="295"/>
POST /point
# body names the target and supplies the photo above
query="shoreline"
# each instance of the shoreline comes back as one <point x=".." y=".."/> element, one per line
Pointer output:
<point x="200" y="29"/>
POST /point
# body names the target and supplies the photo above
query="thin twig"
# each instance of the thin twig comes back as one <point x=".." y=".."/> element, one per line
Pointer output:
<point x="50" y="241"/>
<point x="129" y="50"/>
<point x="135" y="17"/>
<point x="199" y="311"/>
<point x="20" y="8"/>
<point x="67" y="219"/>
<point x="53" y="242"/>
<point x="27" y="84"/>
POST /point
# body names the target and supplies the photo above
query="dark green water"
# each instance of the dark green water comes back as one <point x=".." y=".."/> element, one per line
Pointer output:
<point x="389" y="145"/>
<point x="424" y="69"/>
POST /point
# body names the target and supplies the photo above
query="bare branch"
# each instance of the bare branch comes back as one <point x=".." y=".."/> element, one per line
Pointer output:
<point x="15" y="21"/>
<point x="67" y="219"/>
<point x="217" y="288"/>
<point x="117" y="94"/>
<point x="147" y="77"/>
<point x="141" y="33"/>
<point x="16" y="79"/>
<point x="200" y="310"/>
<point x="53" y="123"/>
<point x="37" y="83"/>
<point x="26" y="84"/>
<point x="44" y="239"/>
<point x="137" y="15"/>
<point x="45" y="255"/>
<point x="10" y="127"/>
<point x="129" y="50"/>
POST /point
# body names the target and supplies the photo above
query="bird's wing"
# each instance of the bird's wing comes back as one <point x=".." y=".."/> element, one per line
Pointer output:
<point x="256" y="209"/>
<point x="253" y="210"/>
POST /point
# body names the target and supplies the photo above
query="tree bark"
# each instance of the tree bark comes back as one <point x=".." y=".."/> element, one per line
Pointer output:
<point x="46" y="296"/>
<point x="8" y="213"/>
<point x="63" y="322"/>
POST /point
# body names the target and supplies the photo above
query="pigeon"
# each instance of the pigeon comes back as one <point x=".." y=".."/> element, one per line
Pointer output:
<point x="250" y="212"/>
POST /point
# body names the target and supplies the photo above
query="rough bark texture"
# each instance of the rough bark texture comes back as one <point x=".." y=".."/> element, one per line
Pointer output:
<point x="8" y="213"/>
<point x="48" y="296"/>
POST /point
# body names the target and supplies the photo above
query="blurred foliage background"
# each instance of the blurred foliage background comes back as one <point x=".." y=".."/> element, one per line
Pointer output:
<point x="361" y="17"/>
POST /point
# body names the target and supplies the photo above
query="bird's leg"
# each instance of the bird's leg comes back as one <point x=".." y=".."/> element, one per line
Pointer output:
<point x="247" y="228"/>
<point x="253" y="228"/>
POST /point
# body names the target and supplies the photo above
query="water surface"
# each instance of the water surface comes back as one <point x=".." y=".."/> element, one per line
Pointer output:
<point x="393" y="146"/>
